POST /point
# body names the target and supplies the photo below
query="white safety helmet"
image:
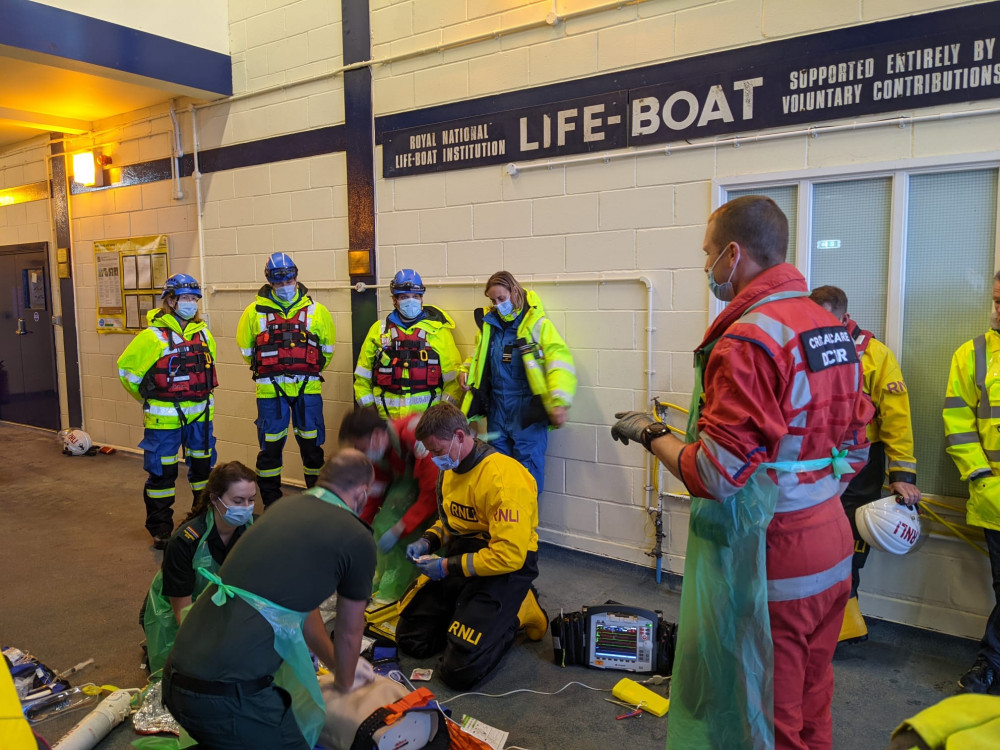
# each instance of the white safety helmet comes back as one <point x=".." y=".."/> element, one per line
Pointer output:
<point x="889" y="525"/>
<point x="75" y="442"/>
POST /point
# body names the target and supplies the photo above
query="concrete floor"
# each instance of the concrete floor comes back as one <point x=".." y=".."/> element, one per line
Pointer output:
<point x="77" y="562"/>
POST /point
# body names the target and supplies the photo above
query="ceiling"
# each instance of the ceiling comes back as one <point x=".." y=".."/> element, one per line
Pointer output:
<point x="37" y="97"/>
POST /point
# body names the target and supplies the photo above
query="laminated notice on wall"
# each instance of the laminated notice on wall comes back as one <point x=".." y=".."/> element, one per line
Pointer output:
<point x="130" y="276"/>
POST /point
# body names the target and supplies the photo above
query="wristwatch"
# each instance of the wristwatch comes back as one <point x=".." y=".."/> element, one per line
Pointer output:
<point x="653" y="431"/>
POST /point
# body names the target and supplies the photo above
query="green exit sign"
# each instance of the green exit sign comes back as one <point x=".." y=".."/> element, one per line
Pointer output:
<point x="828" y="245"/>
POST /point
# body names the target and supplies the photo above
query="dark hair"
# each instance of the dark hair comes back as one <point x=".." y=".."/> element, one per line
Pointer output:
<point x="832" y="297"/>
<point x="346" y="469"/>
<point x="757" y="224"/>
<point x="507" y="281"/>
<point x="441" y="421"/>
<point x="220" y="480"/>
<point x="360" y="423"/>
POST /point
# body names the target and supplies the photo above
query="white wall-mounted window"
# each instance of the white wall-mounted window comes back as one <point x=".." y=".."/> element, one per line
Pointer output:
<point x="915" y="251"/>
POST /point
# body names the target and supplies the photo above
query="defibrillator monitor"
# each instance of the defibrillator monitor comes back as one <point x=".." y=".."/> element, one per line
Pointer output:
<point x="621" y="638"/>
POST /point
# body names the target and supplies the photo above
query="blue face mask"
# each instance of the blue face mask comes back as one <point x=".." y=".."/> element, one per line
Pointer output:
<point x="237" y="515"/>
<point x="410" y="308"/>
<point x="505" y="308"/>
<point x="286" y="293"/>
<point x="724" y="291"/>
<point x="187" y="310"/>
<point x="446" y="462"/>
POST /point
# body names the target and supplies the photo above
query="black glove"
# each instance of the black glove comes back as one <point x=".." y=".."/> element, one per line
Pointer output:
<point x="630" y="425"/>
<point x="637" y="426"/>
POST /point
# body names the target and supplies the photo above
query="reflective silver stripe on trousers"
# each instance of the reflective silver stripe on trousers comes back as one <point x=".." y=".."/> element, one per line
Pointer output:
<point x="802" y="587"/>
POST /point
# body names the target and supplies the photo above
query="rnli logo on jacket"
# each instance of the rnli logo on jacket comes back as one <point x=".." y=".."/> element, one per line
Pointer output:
<point x="506" y="515"/>
<point x="828" y="347"/>
<point x="464" y="512"/>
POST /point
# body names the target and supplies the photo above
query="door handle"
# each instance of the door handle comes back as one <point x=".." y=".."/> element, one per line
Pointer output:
<point x="21" y="330"/>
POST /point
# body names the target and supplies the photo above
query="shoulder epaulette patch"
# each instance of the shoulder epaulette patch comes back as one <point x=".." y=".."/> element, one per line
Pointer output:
<point x="191" y="534"/>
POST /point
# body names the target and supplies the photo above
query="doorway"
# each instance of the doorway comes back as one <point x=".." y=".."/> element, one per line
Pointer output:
<point x="28" y="384"/>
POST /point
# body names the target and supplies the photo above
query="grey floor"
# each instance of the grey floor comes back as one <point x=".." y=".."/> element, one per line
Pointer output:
<point x="77" y="561"/>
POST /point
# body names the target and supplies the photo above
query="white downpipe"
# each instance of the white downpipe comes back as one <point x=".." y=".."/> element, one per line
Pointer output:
<point x="176" y="152"/>
<point x="196" y="173"/>
<point x="513" y="169"/>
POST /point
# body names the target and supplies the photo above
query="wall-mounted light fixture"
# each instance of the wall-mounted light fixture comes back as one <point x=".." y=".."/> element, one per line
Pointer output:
<point x="88" y="168"/>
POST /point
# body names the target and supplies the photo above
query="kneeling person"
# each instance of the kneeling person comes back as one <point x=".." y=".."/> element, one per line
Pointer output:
<point x="488" y="514"/>
<point x="222" y="681"/>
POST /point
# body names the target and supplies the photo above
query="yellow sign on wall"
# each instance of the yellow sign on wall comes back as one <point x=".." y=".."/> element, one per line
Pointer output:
<point x="130" y="276"/>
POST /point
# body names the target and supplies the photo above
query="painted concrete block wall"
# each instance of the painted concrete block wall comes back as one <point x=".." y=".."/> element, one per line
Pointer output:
<point x="587" y="238"/>
<point x="633" y="217"/>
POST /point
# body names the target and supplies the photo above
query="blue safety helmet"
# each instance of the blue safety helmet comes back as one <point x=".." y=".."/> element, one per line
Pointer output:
<point x="181" y="283"/>
<point x="407" y="281"/>
<point x="279" y="267"/>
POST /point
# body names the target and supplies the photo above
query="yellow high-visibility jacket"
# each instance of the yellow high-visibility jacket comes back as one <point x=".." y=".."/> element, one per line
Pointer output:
<point x="254" y="321"/>
<point x="15" y="732"/>
<point x="960" y="722"/>
<point x="549" y="364"/>
<point x="495" y="500"/>
<point x="884" y="384"/>
<point x="972" y="421"/>
<point x="143" y="352"/>
<point x="437" y="327"/>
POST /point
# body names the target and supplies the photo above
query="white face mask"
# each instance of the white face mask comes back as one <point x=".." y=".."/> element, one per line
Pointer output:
<point x="446" y="462"/>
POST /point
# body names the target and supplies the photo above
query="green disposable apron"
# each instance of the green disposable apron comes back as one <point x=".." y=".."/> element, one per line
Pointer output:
<point x="158" y="618"/>
<point x="722" y="691"/>
<point x="297" y="674"/>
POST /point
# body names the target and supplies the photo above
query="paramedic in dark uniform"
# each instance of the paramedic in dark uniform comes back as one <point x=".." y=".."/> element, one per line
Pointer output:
<point x="480" y="589"/>
<point x="891" y="436"/>
<point x="777" y="383"/>
<point x="262" y="613"/>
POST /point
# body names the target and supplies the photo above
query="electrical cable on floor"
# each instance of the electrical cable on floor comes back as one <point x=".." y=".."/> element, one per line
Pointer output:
<point x="526" y="690"/>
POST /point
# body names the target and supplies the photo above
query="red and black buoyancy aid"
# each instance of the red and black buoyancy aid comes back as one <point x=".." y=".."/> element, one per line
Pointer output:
<point x="185" y="371"/>
<point x="286" y="346"/>
<point x="407" y="362"/>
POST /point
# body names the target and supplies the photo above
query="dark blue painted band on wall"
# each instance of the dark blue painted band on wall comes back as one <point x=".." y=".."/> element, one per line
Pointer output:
<point x="62" y="33"/>
<point x="265" y="151"/>
<point x="926" y="60"/>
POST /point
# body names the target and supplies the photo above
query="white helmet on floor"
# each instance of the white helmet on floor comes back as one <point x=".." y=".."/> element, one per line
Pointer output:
<point x="889" y="525"/>
<point x="75" y="442"/>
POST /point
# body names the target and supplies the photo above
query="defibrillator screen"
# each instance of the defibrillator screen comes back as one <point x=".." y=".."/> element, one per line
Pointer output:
<point x="621" y="637"/>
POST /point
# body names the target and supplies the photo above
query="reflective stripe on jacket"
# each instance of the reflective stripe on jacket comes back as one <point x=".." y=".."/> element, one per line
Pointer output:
<point x="892" y="425"/>
<point x="144" y="351"/>
<point x="318" y="321"/>
<point x="394" y="403"/>
<point x="548" y="363"/>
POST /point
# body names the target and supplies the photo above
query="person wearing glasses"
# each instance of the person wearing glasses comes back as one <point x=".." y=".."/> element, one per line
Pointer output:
<point x="409" y="360"/>
<point x="287" y="338"/>
<point x="169" y="368"/>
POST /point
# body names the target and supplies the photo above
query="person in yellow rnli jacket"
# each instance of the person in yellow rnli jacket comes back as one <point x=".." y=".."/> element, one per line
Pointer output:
<point x="520" y="376"/>
<point x="170" y="369"/>
<point x="288" y="340"/>
<point x="409" y="360"/>
<point x="972" y="439"/>
<point x="480" y="592"/>
<point x="891" y="436"/>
